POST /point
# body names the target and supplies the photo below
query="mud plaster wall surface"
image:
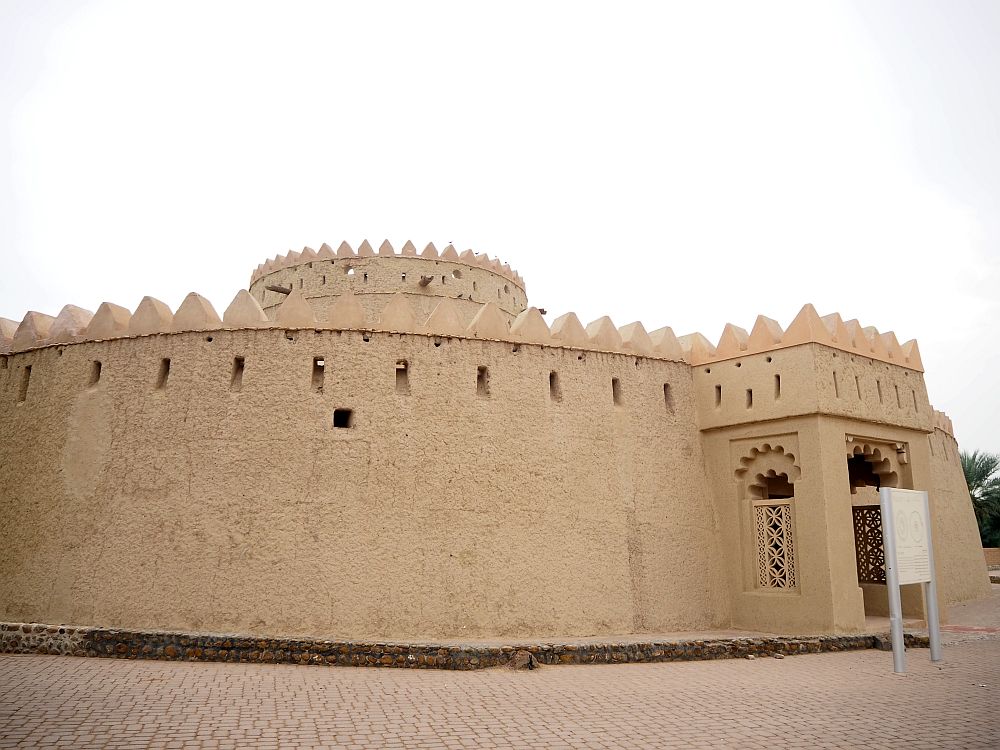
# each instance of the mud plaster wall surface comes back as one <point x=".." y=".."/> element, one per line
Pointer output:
<point x="374" y="278"/>
<point x="957" y="546"/>
<point x="438" y="514"/>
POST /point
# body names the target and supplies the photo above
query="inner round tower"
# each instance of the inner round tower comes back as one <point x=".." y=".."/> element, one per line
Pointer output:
<point x="424" y="277"/>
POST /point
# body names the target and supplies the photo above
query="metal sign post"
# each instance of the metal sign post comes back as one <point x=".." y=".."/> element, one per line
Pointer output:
<point x="909" y="558"/>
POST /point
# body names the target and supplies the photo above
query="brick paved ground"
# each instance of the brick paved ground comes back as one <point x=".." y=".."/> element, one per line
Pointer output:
<point x="845" y="700"/>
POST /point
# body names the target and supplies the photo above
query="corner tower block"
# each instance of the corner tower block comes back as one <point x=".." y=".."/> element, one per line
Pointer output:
<point x="151" y="316"/>
<point x="196" y="314"/>
<point x="34" y="329"/>
<point x="244" y="312"/>
<point x="109" y="322"/>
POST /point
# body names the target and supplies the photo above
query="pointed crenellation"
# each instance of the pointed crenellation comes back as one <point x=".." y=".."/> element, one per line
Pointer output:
<point x="489" y="323"/>
<point x="325" y="252"/>
<point x="765" y="335"/>
<point x="484" y="260"/>
<point x="697" y="349"/>
<point x="666" y="345"/>
<point x="445" y="320"/>
<point x="530" y="327"/>
<point x="243" y="312"/>
<point x="195" y="314"/>
<point x="807" y="327"/>
<point x="567" y="330"/>
<point x="346" y="313"/>
<point x="293" y="258"/>
<point x="839" y="333"/>
<point x="307" y="254"/>
<point x="7" y="330"/>
<point x="892" y="348"/>
<point x="733" y="342"/>
<point x="109" y="322"/>
<point x="295" y="311"/>
<point x="398" y="316"/>
<point x="449" y="253"/>
<point x="151" y="316"/>
<point x="69" y="325"/>
<point x="33" y="331"/>
<point x="409" y="250"/>
<point x="365" y="250"/>
<point x="385" y="248"/>
<point x="604" y="335"/>
<point x="912" y="354"/>
<point x="635" y="340"/>
<point x="345" y="251"/>
<point x="430" y="251"/>
<point x="468" y="257"/>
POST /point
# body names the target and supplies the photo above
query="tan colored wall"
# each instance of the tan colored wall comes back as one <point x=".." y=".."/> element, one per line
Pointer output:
<point x="806" y="372"/>
<point x="375" y="277"/>
<point x="957" y="545"/>
<point x="438" y="514"/>
<point x="992" y="555"/>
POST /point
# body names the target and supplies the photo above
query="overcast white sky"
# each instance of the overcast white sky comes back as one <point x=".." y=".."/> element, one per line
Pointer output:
<point x="683" y="164"/>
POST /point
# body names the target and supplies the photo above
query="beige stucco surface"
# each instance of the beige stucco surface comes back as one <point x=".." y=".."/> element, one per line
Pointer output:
<point x="439" y="513"/>
<point x="495" y="478"/>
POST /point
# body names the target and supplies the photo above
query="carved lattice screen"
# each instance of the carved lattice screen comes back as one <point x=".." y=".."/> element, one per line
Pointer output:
<point x="775" y="553"/>
<point x="868" y="544"/>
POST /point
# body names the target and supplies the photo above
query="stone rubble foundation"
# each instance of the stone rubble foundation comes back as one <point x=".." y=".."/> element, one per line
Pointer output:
<point x="33" y="638"/>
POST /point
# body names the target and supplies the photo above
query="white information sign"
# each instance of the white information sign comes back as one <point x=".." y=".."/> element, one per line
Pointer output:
<point x="910" y="524"/>
<point x="909" y="558"/>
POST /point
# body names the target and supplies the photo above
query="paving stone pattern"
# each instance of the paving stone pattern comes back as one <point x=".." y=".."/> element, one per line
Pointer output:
<point x="832" y="700"/>
<point x="33" y="638"/>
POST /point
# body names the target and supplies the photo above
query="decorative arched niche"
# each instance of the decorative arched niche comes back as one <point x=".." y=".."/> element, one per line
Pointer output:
<point x="768" y="474"/>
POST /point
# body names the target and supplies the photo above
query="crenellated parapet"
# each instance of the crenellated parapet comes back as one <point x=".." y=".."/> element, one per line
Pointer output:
<point x="943" y="422"/>
<point x="344" y="312"/>
<point x="469" y="279"/>
<point x="807" y="327"/>
<point x="345" y="251"/>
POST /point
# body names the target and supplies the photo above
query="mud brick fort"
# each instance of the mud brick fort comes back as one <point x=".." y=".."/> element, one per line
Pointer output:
<point x="394" y="445"/>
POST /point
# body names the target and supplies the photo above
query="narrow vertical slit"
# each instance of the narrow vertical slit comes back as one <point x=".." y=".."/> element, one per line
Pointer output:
<point x="555" y="390"/>
<point x="878" y="386"/>
<point x="163" y="374"/>
<point x="899" y="402"/>
<point x="616" y="391"/>
<point x="857" y="384"/>
<point x="718" y="396"/>
<point x="402" y="377"/>
<point x="668" y="398"/>
<point x="836" y="385"/>
<point x="236" y="381"/>
<point x="95" y="373"/>
<point x="749" y="398"/>
<point x="318" y="373"/>
<point x="777" y="387"/>
<point x="482" y="382"/>
<point x="915" y="407"/>
<point x="22" y="390"/>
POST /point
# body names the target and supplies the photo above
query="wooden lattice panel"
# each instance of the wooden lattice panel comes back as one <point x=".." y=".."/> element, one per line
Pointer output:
<point x="775" y="552"/>
<point x="868" y="544"/>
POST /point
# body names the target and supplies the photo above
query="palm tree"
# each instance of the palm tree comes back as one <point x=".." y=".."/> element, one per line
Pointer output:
<point x="982" y="474"/>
